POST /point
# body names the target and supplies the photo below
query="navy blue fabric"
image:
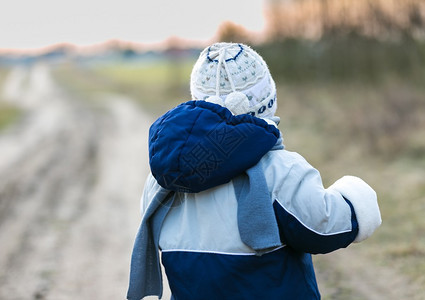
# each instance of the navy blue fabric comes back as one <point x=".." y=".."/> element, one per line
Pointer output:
<point x="294" y="234"/>
<point x="199" y="145"/>
<point x="281" y="274"/>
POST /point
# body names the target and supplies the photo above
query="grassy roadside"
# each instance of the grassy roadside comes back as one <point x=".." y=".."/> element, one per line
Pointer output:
<point x="374" y="131"/>
<point x="8" y="112"/>
<point x="155" y="87"/>
<point x="8" y="115"/>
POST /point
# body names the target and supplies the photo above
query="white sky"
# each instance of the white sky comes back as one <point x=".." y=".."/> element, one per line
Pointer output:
<point x="29" y="24"/>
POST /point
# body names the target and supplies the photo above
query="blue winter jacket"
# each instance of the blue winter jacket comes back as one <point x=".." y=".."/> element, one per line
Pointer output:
<point x="202" y="251"/>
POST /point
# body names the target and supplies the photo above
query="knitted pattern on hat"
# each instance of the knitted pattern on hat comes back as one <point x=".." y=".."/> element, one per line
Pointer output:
<point x="225" y="68"/>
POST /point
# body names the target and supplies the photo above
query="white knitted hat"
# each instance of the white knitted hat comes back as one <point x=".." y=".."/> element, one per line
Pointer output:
<point x="236" y="77"/>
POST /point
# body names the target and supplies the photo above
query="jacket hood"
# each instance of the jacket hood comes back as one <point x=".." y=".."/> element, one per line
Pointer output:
<point x="199" y="145"/>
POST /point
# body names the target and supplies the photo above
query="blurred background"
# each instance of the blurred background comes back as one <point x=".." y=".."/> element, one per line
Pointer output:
<point x="80" y="84"/>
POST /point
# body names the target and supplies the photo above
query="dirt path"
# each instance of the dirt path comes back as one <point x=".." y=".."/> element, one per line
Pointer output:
<point x="71" y="175"/>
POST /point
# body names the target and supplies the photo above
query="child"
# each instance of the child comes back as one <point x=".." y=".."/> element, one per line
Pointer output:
<point x="235" y="215"/>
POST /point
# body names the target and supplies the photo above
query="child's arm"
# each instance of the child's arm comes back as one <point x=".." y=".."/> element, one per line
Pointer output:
<point x="317" y="220"/>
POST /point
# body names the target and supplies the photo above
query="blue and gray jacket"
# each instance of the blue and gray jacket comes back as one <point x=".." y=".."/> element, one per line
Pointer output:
<point x="199" y="150"/>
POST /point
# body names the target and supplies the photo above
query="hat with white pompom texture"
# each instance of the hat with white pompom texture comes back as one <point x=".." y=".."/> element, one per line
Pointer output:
<point x="236" y="77"/>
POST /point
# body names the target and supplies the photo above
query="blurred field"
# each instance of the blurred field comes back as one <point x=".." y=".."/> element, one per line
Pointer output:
<point x="372" y="129"/>
<point x="156" y="87"/>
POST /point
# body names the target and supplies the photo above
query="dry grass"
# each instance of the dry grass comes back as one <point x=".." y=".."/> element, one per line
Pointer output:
<point x="8" y="112"/>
